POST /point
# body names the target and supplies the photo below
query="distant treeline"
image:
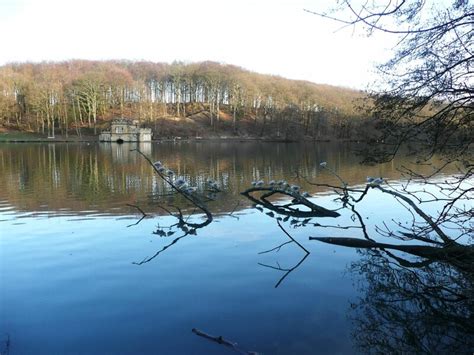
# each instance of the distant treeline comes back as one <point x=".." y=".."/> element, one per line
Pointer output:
<point x="63" y="97"/>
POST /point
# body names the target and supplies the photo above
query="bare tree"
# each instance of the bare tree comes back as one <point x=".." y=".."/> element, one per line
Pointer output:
<point x="423" y="106"/>
<point x="425" y="94"/>
<point x="417" y="310"/>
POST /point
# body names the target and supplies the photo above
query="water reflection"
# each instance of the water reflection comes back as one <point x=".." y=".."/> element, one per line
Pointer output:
<point x="178" y="230"/>
<point x="217" y="282"/>
<point x="124" y="153"/>
<point x="418" y="296"/>
<point x="102" y="178"/>
<point x="286" y="271"/>
<point x="423" y="310"/>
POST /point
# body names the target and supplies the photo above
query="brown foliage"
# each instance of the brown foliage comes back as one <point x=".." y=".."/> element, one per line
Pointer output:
<point x="60" y="96"/>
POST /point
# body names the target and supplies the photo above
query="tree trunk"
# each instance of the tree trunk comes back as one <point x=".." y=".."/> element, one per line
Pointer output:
<point x="76" y="124"/>
<point x="234" y="121"/>
<point x="94" y="115"/>
<point x="217" y="106"/>
<point x="211" y="109"/>
<point x="66" y="119"/>
<point x="38" y="124"/>
<point x="42" y="124"/>
<point x="122" y="94"/>
<point x="79" y="111"/>
<point x="178" y="99"/>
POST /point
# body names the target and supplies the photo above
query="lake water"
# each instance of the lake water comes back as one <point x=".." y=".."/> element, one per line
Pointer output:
<point x="71" y="247"/>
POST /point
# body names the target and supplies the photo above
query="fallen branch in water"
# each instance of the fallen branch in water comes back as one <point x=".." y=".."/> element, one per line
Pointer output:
<point x="459" y="255"/>
<point x="179" y="186"/>
<point x="188" y="196"/>
<point x="291" y="209"/>
<point x="222" y="341"/>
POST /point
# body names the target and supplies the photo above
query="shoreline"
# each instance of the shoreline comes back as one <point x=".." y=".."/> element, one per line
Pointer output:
<point x="32" y="138"/>
<point x="167" y="140"/>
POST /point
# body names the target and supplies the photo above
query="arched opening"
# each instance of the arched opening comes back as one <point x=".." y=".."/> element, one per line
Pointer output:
<point x="120" y="141"/>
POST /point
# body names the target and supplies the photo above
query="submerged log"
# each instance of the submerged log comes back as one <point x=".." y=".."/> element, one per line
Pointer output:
<point x="457" y="254"/>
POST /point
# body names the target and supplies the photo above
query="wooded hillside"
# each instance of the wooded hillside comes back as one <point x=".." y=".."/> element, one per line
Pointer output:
<point x="197" y="99"/>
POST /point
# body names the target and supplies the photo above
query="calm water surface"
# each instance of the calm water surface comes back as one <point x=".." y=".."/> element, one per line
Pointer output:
<point x="69" y="249"/>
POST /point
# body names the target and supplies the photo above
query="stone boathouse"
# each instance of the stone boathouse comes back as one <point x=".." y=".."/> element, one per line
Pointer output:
<point x="125" y="130"/>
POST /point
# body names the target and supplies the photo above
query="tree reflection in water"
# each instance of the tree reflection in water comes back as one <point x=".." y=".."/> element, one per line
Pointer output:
<point x="300" y="209"/>
<point x="417" y="309"/>
<point x="418" y="296"/>
<point x="286" y="271"/>
<point x="185" y="224"/>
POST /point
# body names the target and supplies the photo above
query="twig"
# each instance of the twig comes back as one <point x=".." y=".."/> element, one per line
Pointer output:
<point x="231" y="214"/>
<point x="447" y="240"/>
<point x="144" y="215"/>
<point x="276" y="248"/>
<point x="150" y="258"/>
<point x="287" y="271"/>
<point x="138" y="208"/>
<point x="293" y="239"/>
<point x="223" y="341"/>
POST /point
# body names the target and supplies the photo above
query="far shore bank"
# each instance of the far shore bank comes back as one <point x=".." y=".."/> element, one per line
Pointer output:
<point x="25" y="137"/>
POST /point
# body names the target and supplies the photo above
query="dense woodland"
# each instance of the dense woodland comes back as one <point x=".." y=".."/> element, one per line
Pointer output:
<point x="197" y="99"/>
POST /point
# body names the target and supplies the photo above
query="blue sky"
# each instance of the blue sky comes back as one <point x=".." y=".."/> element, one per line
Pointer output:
<point x="272" y="37"/>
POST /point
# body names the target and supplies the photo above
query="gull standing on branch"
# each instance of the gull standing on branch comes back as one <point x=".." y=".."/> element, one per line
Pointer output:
<point x="374" y="181"/>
